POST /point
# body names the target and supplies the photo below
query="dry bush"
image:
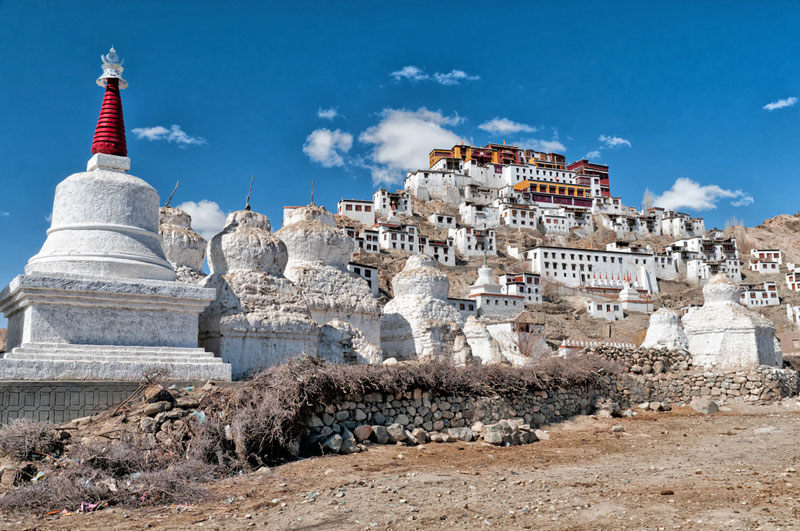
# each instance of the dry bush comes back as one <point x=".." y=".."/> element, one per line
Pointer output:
<point x="264" y="416"/>
<point x="24" y="440"/>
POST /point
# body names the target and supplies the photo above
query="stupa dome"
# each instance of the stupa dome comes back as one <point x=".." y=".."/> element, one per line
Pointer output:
<point x="311" y="237"/>
<point x="421" y="276"/>
<point x="182" y="246"/>
<point x="246" y="244"/>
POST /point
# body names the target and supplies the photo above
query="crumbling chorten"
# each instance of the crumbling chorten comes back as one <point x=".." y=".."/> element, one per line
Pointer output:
<point x="419" y="322"/>
<point x="725" y="335"/>
<point x="259" y="318"/>
<point x="318" y="256"/>
<point x="665" y="331"/>
<point x="183" y="247"/>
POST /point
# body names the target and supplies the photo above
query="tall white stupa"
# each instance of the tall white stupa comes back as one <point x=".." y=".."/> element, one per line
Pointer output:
<point x="100" y="301"/>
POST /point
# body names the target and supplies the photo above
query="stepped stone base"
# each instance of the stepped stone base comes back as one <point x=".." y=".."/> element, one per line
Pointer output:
<point x="73" y="328"/>
<point x="100" y="362"/>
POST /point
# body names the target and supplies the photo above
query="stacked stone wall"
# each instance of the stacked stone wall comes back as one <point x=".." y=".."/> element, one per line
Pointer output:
<point x="669" y="376"/>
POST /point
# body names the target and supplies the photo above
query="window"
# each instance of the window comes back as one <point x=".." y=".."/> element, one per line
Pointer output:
<point x="349" y="207"/>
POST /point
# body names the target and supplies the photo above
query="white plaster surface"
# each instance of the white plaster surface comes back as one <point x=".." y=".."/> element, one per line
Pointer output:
<point x="317" y="265"/>
<point x="723" y="334"/>
<point x="259" y="318"/>
<point x="419" y="322"/>
<point x="665" y="331"/>
<point x="104" y="224"/>
<point x="183" y="247"/>
<point x="64" y="327"/>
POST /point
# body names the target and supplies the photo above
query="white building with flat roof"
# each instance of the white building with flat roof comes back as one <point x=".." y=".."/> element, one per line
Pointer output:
<point x="442" y="250"/>
<point x="768" y="255"/>
<point x="579" y="267"/>
<point x="608" y="310"/>
<point x="442" y="221"/>
<point x="368" y="273"/>
<point x="386" y="204"/>
<point x="358" y="210"/>
<point x="395" y="236"/>
<point x="525" y="284"/>
<point x="474" y="242"/>
<point x="764" y="294"/>
<point x="479" y="216"/>
<point x="490" y="298"/>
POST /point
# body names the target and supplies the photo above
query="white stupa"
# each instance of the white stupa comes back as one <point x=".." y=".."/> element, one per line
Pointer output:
<point x="258" y="318"/>
<point x="725" y="335"/>
<point x="99" y="301"/>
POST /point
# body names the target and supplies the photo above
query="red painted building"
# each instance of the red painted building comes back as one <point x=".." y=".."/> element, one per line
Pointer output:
<point x="586" y="170"/>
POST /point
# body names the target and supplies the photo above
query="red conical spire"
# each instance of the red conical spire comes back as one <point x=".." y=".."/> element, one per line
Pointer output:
<point x="109" y="135"/>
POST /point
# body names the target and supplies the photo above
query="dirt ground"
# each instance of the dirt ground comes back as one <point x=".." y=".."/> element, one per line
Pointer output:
<point x="676" y="470"/>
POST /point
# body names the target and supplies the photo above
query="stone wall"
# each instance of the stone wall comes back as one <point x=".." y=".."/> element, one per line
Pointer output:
<point x="669" y="376"/>
<point x="420" y="415"/>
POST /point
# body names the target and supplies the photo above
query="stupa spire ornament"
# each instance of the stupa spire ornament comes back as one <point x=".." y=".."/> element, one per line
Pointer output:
<point x="109" y="135"/>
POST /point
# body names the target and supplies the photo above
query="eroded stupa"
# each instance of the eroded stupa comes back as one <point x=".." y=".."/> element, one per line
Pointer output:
<point x="318" y="257"/>
<point x="723" y="334"/>
<point x="259" y="318"/>
<point x="99" y="301"/>
<point x="184" y="249"/>
<point x="419" y="323"/>
<point x="665" y="331"/>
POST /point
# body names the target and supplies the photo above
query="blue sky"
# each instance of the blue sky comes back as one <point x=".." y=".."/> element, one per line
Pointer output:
<point x="666" y="92"/>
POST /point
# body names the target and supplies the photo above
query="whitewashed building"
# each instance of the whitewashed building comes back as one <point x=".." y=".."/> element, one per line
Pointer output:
<point x="793" y="277"/>
<point x="435" y="184"/>
<point x="474" y="242"/>
<point x="466" y="307"/>
<point x="442" y="250"/>
<point x="764" y="294"/>
<point x="680" y="225"/>
<point x="526" y="284"/>
<point x="367" y="241"/>
<point x="479" y="216"/>
<point x="368" y="273"/>
<point x="442" y="221"/>
<point x="633" y="301"/>
<point x="698" y="270"/>
<point x="387" y="204"/>
<point x="521" y="216"/>
<point x="609" y="310"/>
<point x="579" y="267"/>
<point x="393" y="235"/>
<point x="769" y="255"/>
<point x="764" y="267"/>
<point x="793" y="313"/>
<point x="490" y="299"/>
<point x="361" y="211"/>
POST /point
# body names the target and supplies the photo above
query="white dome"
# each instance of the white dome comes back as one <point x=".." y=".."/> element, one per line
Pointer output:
<point x="312" y="238"/>
<point x="104" y="224"/>
<point x="182" y="246"/>
<point x="246" y="244"/>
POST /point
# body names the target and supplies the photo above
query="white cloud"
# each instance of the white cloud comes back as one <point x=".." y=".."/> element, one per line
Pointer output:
<point x="504" y="125"/>
<point x="414" y="74"/>
<point x="594" y="154"/>
<point x="327" y="114"/>
<point x="208" y="219"/>
<point x="686" y="193"/>
<point x="614" y="141"/>
<point x="454" y="77"/>
<point x="780" y="104"/>
<point x="326" y="147"/>
<point x="403" y="139"/>
<point x="547" y="146"/>
<point x="411" y="73"/>
<point x="173" y="135"/>
<point x="4" y="213"/>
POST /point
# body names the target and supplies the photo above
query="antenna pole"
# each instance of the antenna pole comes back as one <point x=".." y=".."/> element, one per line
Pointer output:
<point x="173" y="193"/>
<point x="312" y="191"/>
<point x="247" y="203"/>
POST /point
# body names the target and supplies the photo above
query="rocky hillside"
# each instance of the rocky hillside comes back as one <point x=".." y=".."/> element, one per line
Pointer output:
<point x="3" y="333"/>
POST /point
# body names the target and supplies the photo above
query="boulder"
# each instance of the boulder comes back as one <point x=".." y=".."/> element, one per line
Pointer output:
<point x="704" y="405"/>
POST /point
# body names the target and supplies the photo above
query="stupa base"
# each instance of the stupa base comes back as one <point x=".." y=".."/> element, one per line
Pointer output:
<point x="70" y="328"/>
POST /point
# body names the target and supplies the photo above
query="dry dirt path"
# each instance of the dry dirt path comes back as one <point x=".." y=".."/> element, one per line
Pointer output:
<point x="677" y="470"/>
